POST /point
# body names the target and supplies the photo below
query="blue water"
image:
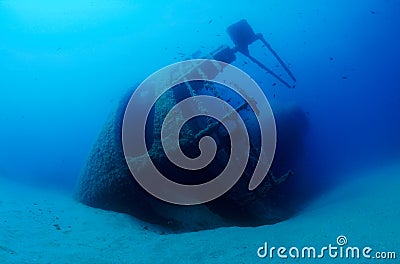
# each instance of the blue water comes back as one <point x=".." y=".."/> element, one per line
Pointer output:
<point x="65" y="64"/>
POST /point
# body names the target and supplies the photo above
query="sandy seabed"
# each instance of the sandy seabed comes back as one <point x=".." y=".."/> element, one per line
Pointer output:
<point x="42" y="226"/>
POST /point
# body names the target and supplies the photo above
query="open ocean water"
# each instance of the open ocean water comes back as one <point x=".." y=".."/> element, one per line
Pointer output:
<point x="65" y="66"/>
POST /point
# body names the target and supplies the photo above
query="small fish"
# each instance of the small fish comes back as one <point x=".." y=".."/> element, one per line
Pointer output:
<point x="274" y="95"/>
<point x="218" y="35"/>
<point x="209" y="22"/>
<point x="331" y="58"/>
<point x="274" y="84"/>
<point x="372" y="12"/>
<point x="344" y="77"/>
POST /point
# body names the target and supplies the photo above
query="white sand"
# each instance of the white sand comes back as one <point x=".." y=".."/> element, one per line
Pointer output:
<point x="365" y="210"/>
